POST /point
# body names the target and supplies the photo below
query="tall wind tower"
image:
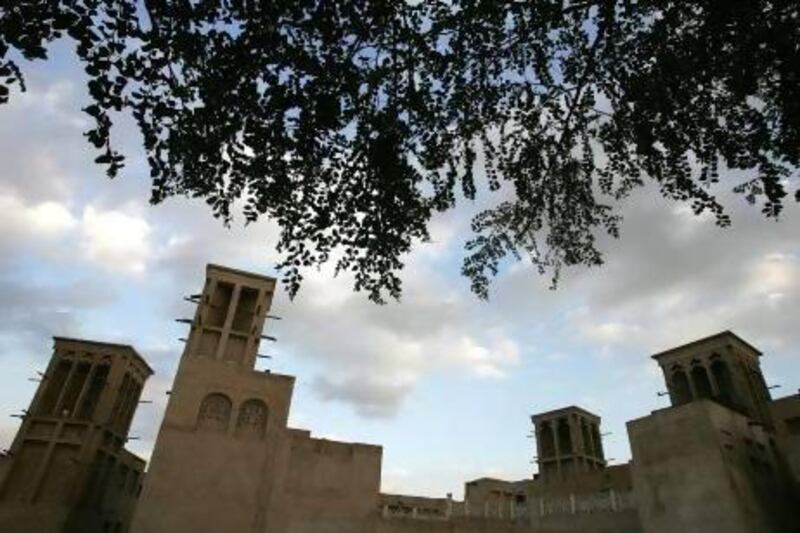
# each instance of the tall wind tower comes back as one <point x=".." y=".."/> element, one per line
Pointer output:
<point x="225" y="422"/>
<point x="69" y="470"/>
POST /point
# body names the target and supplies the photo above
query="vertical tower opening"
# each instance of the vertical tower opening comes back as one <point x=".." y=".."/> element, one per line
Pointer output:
<point x="547" y="442"/>
<point x="219" y="303"/>
<point x="245" y="310"/>
<point x="54" y="384"/>
<point x="598" y="442"/>
<point x="681" y="392"/>
<point x="73" y="389"/>
<point x="702" y="385"/>
<point x="722" y="375"/>
<point x="564" y="437"/>
<point x="587" y="440"/>
<point x="86" y="409"/>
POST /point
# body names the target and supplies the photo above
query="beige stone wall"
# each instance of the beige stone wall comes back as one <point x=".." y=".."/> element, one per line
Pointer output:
<point x="786" y="414"/>
<point x="465" y="525"/>
<point x="471" y="525"/>
<point x="213" y="478"/>
<point x="598" y="501"/>
<point x="489" y="497"/>
<point x="704" y="467"/>
<point x="329" y="486"/>
<point x="419" y="507"/>
<point x="290" y="483"/>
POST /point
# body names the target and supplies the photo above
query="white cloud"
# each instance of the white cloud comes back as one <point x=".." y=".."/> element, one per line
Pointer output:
<point x="491" y="359"/>
<point x="45" y="228"/>
<point x="41" y="220"/>
<point x="395" y="480"/>
<point x="374" y="356"/>
<point x="53" y="100"/>
<point x="111" y="239"/>
<point x="51" y="218"/>
<point x="116" y="240"/>
<point x="373" y="396"/>
<point x="673" y="277"/>
<point x="773" y="275"/>
<point x="605" y="333"/>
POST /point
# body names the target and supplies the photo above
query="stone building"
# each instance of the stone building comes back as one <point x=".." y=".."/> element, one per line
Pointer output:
<point x="723" y="457"/>
<point x="714" y="456"/>
<point x="68" y="469"/>
<point x="224" y="458"/>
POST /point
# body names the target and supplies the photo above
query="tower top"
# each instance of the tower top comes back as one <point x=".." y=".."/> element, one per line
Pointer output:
<point x="568" y="442"/>
<point x="229" y="320"/>
<point x="212" y="268"/>
<point x="724" y="368"/>
<point x="725" y="338"/>
<point x="68" y="343"/>
<point x="564" y="411"/>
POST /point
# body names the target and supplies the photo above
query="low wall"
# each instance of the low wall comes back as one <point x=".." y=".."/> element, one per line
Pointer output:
<point x="459" y="525"/>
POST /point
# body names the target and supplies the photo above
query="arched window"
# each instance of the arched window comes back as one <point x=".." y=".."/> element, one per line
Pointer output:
<point x="215" y="412"/>
<point x="548" y="444"/>
<point x="564" y="437"/>
<point x="252" y="420"/>
<point x="722" y="375"/>
<point x="681" y="393"/>
<point x="702" y="385"/>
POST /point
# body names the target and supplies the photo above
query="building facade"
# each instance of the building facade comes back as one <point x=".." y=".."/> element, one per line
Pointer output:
<point x="715" y="455"/>
<point x="224" y="458"/>
<point x="67" y="468"/>
<point x="724" y="457"/>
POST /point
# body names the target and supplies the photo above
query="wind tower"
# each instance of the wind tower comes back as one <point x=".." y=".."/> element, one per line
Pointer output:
<point x="225" y="422"/>
<point x="723" y="368"/>
<point x="718" y="438"/>
<point x="568" y="443"/>
<point x="69" y="470"/>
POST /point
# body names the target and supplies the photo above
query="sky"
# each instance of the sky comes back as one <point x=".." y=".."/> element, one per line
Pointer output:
<point x="445" y="382"/>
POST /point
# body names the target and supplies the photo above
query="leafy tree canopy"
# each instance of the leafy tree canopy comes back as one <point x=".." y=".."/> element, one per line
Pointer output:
<point x="352" y="123"/>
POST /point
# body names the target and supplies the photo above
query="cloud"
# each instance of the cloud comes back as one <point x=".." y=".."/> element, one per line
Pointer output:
<point x="55" y="202"/>
<point x="372" y="357"/>
<point x="673" y="277"/>
<point x="395" y="480"/>
<point x="605" y="333"/>
<point x="34" y="312"/>
<point x="116" y="240"/>
<point x="41" y="220"/>
<point x="110" y="239"/>
<point x="56" y="100"/>
<point x="490" y="359"/>
<point x="67" y="221"/>
<point x="373" y="397"/>
<point x="195" y="237"/>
